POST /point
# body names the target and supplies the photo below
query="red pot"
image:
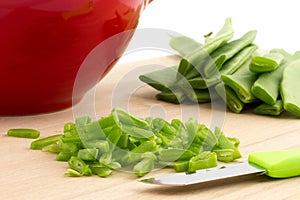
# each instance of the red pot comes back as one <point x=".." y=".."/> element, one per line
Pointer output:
<point x="44" y="42"/>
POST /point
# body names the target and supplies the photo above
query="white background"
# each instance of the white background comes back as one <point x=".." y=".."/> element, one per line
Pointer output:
<point x="277" y="21"/>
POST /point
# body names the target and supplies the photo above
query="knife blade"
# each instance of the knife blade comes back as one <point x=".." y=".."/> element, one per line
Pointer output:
<point x="276" y="164"/>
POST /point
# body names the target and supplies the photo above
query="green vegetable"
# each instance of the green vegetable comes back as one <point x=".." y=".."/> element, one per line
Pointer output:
<point x="43" y="142"/>
<point x="193" y="59"/>
<point x="267" y="109"/>
<point x="241" y="85"/>
<point x="173" y="97"/>
<point x="79" y="167"/>
<point x="229" y="50"/>
<point x="24" y="133"/>
<point x="266" y="63"/>
<point x="135" y="143"/>
<point x="289" y="88"/>
<point x="230" y="98"/>
<point x="158" y="80"/>
<point x="184" y="45"/>
<point x="267" y="86"/>
<point x="232" y="65"/>
<point x="204" y="160"/>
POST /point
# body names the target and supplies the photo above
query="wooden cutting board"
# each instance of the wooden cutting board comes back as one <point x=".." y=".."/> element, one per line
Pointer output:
<point x="29" y="174"/>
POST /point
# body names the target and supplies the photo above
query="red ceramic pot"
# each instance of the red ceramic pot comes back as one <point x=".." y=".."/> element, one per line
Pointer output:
<point x="44" y="42"/>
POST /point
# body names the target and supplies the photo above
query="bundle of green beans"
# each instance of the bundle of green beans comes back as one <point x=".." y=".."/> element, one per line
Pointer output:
<point x="123" y="140"/>
<point x="234" y="70"/>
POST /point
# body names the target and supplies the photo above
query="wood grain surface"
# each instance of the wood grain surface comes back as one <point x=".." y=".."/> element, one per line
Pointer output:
<point x="29" y="174"/>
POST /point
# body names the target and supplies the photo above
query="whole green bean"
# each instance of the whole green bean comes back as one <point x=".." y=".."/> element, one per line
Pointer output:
<point x="193" y="59"/>
<point x="236" y="62"/>
<point x="267" y="109"/>
<point x="229" y="50"/>
<point x="158" y="80"/>
<point x="184" y="45"/>
<point x="24" y="133"/>
<point x="289" y="87"/>
<point x="172" y="97"/>
<point x="204" y="83"/>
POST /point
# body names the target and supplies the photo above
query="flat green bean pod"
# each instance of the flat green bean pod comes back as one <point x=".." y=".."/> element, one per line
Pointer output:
<point x="266" y="109"/>
<point x="229" y="50"/>
<point x="191" y="60"/>
<point x="267" y="85"/>
<point x="184" y="45"/>
<point x="230" y="98"/>
<point x="290" y="87"/>
<point x="239" y="60"/>
<point x="266" y="63"/>
<point x="158" y="80"/>
<point x="241" y="84"/>
<point x="172" y="97"/>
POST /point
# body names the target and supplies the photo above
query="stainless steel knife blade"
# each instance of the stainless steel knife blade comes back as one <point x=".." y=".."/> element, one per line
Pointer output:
<point x="206" y="175"/>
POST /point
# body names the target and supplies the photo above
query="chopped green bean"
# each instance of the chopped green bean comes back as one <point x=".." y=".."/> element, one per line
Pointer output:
<point x="224" y="155"/>
<point x="170" y="155"/>
<point x="24" y="133"/>
<point x="88" y="154"/>
<point x="144" y="166"/>
<point x="204" y="160"/>
<point x="225" y="143"/>
<point x="41" y="143"/>
<point x="126" y="118"/>
<point x="62" y="156"/>
<point x="79" y="166"/>
<point x="181" y="166"/>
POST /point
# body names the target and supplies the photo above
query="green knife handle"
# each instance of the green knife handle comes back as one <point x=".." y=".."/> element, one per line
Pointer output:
<point x="278" y="164"/>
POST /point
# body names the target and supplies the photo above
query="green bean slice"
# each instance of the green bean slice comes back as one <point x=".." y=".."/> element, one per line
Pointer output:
<point x="24" y="133"/>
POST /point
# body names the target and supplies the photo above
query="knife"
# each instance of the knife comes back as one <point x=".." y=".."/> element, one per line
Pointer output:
<point x="275" y="164"/>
